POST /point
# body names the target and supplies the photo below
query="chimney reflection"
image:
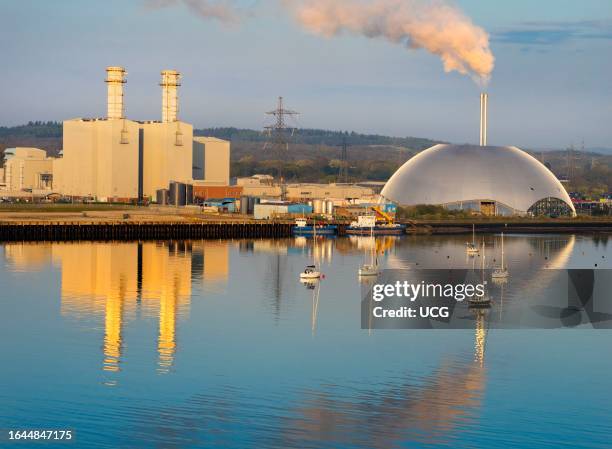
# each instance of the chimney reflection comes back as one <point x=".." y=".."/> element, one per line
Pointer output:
<point x="115" y="281"/>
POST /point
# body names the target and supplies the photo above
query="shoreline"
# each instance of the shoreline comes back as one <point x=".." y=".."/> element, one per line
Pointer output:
<point x="129" y="227"/>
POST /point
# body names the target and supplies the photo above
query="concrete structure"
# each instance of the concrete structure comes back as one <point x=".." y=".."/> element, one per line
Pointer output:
<point x="100" y="159"/>
<point x="484" y="106"/>
<point x="170" y="82"/>
<point x="115" y="79"/>
<point x="211" y="161"/>
<point x="119" y="159"/>
<point x="309" y="191"/>
<point x="167" y="154"/>
<point x="27" y="168"/>
<point x="487" y="179"/>
<point x="303" y="192"/>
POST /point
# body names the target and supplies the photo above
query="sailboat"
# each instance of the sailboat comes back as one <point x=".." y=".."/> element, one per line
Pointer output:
<point x="370" y="269"/>
<point x="311" y="271"/>
<point x="471" y="248"/>
<point x="483" y="302"/>
<point x="501" y="272"/>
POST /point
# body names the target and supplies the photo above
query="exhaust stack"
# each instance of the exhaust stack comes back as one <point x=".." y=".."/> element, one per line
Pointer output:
<point x="484" y="104"/>
<point x="170" y="82"/>
<point x="115" y="79"/>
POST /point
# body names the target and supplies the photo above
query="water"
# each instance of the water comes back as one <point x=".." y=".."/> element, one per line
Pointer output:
<point x="217" y="344"/>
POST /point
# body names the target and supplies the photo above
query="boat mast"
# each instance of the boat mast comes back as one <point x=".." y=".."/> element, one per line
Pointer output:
<point x="502" y="265"/>
<point x="372" y="245"/>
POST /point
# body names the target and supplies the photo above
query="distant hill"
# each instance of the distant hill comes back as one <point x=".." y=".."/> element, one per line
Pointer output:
<point x="319" y="137"/>
<point x="314" y="154"/>
<point x="33" y="129"/>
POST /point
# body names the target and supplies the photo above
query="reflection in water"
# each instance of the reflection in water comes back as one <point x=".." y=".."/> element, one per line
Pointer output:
<point x="115" y="280"/>
<point x="224" y="392"/>
<point x="427" y="413"/>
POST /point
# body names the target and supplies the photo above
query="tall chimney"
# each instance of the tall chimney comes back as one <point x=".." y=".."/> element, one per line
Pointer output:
<point x="484" y="104"/>
<point x="170" y="82"/>
<point x="115" y="79"/>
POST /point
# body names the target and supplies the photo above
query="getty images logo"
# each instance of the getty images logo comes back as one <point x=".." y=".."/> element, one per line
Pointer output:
<point x="409" y="291"/>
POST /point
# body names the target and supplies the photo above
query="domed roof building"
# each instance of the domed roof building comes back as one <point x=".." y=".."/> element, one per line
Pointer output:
<point x="488" y="179"/>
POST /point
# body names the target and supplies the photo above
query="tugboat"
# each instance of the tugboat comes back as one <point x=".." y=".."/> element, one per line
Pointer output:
<point x="302" y="227"/>
<point x="367" y="224"/>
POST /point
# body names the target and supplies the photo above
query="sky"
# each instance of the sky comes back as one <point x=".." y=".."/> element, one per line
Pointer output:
<point x="551" y="86"/>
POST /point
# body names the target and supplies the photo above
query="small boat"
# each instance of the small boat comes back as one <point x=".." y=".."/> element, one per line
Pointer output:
<point x="310" y="272"/>
<point x="483" y="302"/>
<point x="501" y="272"/>
<point x="301" y="227"/>
<point x="370" y="269"/>
<point x="480" y="303"/>
<point x="472" y="248"/>
<point x="366" y="224"/>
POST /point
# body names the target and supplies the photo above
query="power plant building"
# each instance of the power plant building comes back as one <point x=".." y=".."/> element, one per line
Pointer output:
<point x="27" y="169"/>
<point x="167" y="154"/>
<point x="100" y="159"/>
<point x="211" y="161"/>
<point x="117" y="159"/>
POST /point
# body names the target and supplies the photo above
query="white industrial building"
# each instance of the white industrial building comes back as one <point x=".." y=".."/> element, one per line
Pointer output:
<point x="491" y="180"/>
<point x="118" y="159"/>
<point x="27" y="169"/>
<point x="211" y="161"/>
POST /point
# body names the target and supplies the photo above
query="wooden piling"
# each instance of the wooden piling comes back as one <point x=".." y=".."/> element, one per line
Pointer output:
<point x="62" y="231"/>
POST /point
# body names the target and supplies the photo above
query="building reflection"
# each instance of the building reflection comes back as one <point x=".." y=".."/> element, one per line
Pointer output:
<point x="116" y="282"/>
<point x="27" y="257"/>
<point x="430" y="412"/>
<point x="166" y="287"/>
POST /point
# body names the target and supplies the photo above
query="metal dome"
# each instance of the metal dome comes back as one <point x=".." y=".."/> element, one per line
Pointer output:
<point x="456" y="174"/>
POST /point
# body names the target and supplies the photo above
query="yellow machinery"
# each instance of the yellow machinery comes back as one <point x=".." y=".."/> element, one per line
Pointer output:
<point x="382" y="215"/>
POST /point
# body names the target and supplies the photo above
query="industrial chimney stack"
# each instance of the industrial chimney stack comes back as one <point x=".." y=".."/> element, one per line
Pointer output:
<point x="170" y="82"/>
<point x="115" y="79"/>
<point x="484" y="104"/>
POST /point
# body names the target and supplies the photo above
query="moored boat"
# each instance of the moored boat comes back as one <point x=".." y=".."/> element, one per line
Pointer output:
<point x="302" y="227"/>
<point x="366" y="225"/>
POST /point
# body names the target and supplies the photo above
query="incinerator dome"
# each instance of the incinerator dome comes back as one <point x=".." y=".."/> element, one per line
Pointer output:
<point x="489" y="179"/>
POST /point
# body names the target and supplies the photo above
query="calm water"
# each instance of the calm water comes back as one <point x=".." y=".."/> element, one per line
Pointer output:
<point x="217" y="344"/>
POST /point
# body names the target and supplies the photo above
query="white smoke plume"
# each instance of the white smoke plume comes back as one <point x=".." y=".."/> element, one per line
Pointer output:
<point x="433" y="25"/>
<point x="222" y="10"/>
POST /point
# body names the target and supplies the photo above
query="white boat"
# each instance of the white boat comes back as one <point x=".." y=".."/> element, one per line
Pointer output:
<point x="501" y="272"/>
<point x="311" y="272"/>
<point x="370" y="269"/>
<point x="483" y="302"/>
<point x="472" y="248"/>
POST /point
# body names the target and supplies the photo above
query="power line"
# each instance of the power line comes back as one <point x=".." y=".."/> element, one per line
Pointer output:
<point x="344" y="165"/>
<point x="280" y="133"/>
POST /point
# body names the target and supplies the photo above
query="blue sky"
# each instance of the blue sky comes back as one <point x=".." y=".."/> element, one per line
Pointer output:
<point x="552" y="85"/>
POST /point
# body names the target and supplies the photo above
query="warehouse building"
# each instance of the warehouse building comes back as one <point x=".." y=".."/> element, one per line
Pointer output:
<point x="274" y="209"/>
<point x="263" y="186"/>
